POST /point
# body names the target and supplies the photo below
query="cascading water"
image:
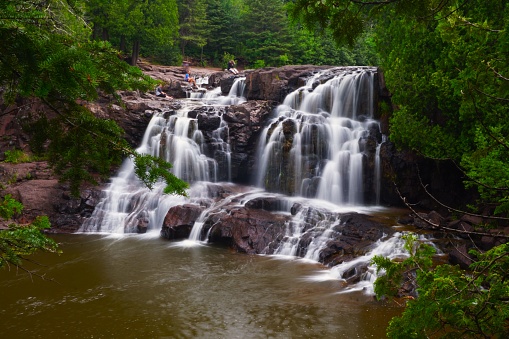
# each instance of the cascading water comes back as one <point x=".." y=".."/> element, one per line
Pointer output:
<point x="127" y="205"/>
<point x="318" y="147"/>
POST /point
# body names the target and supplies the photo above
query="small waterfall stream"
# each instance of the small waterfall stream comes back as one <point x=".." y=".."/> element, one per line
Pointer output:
<point x="316" y="148"/>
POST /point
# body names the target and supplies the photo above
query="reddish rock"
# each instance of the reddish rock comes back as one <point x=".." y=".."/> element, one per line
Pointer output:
<point x="179" y="221"/>
<point x="246" y="230"/>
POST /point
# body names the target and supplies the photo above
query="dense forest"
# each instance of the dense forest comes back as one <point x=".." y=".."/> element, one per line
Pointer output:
<point x="446" y="63"/>
<point x="256" y="33"/>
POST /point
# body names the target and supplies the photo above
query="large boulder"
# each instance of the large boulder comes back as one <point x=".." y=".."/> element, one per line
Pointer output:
<point x="246" y="230"/>
<point x="179" y="221"/>
<point x="275" y="83"/>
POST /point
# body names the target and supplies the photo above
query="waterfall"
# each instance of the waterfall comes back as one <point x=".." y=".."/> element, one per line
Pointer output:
<point x="236" y="94"/>
<point x="315" y="146"/>
<point x="320" y="146"/>
<point x="127" y="205"/>
<point x="378" y="171"/>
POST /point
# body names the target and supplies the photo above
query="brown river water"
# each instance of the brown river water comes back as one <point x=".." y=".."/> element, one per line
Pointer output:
<point x="141" y="286"/>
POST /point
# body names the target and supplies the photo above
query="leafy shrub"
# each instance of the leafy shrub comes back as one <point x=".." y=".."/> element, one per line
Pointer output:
<point x="16" y="156"/>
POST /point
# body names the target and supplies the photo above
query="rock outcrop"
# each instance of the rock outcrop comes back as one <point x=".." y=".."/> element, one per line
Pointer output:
<point x="40" y="192"/>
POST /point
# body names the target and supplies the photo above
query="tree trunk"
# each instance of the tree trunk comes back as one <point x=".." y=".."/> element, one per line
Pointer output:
<point x="122" y="43"/>
<point x="105" y="35"/>
<point x="136" y="52"/>
<point x="95" y="33"/>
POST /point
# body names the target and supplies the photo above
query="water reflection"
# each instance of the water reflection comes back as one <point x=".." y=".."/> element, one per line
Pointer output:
<point x="145" y="287"/>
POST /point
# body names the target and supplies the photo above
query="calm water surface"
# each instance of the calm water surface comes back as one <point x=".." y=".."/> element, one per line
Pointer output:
<point x="146" y="287"/>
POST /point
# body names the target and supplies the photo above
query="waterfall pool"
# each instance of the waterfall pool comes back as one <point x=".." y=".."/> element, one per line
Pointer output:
<point x="140" y="286"/>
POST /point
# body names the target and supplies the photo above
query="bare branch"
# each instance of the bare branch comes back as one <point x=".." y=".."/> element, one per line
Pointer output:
<point x="477" y="26"/>
<point x="444" y="228"/>
<point x="454" y="209"/>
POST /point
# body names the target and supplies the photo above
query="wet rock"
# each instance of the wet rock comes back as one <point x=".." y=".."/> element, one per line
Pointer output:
<point x="35" y="186"/>
<point x="179" y="221"/>
<point x="268" y="204"/>
<point x="208" y="122"/>
<point x="246" y="230"/>
<point x="472" y="219"/>
<point x="356" y="233"/>
<point x="431" y="220"/>
<point x="143" y="221"/>
<point x="275" y="83"/>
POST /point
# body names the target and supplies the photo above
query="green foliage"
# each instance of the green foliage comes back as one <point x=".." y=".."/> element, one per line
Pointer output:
<point x="9" y="207"/>
<point x="47" y="57"/>
<point x="451" y="302"/>
<point x="19" y="241"/>
<point x="224" y="28"/>
<point x="420" y="257"/>
<point x="150" y="169"/>
<point x="259" y="64"/>
<point x="265" y="36"/>
<point x="284" y="60"/>
<point x="346" y="19"/>
<point x="448" y="79"/>
<point x="193" y="23"/>
<point x="226" y="58"/>
<point x="149" y="26"/>
<point x="16" y="156"/>
<point x="203" y="30"/>
<point x="447" y="65"/>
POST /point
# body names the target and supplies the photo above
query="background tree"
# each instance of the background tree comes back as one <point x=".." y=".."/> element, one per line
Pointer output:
<point x="193" y="24"/>
<point x="155" y="22"/>
<point x="48" y="56"/>
<point x="254" y="31"/>
<point x="224" y="28"/>
<point x="17" y="242"/>
<point x="265" y="32"/>
<point x="450" y="303"/>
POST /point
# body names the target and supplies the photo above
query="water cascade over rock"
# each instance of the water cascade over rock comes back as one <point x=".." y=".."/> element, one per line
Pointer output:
<point x="313" y="163"/>
<point x="322" y="142"/>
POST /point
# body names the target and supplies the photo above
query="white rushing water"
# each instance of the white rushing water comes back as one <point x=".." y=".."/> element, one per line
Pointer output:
<point x="313" y="150"/>
<point x="325" y="127"/>
<point x="127" y="204"/>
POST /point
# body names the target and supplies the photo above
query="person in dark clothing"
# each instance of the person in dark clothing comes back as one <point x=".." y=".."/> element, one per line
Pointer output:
<point x="160" y="93"/>
<point x="231" y="67"/>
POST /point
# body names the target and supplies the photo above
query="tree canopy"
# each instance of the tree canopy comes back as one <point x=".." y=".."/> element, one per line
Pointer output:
<point x="258" y="33"/>
<point x="48" y="55"/>
<point x="20" y="241"/>
<point x="446" y="64"/>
